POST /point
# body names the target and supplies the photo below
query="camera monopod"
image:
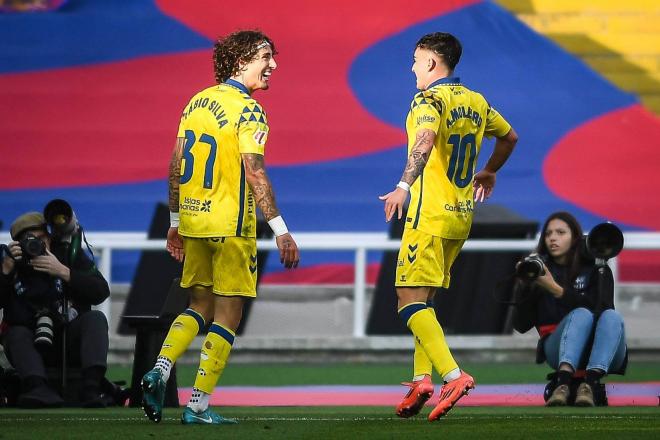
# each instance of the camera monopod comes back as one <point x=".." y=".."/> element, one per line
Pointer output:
<point x="64" y="227"/>
<point x="603" y="242"/>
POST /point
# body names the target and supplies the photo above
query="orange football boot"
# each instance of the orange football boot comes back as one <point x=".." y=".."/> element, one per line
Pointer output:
<point x="451" y="393"/>
<point x="420" y="391"/>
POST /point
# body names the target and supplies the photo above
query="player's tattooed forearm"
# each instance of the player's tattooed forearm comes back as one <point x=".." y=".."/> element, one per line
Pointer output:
<point x="265" y="198"/>
<point x="253" y="162"/>
<point x="419" y="156"/>
<point x="260" y="184"/>
<point x="175" y="175"/>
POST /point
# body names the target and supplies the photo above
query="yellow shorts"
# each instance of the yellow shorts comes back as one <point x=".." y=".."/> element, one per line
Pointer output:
<point x="229" y="264"/>
<point x="425" y="260"/>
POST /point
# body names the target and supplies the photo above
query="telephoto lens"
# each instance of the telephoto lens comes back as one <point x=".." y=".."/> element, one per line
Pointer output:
<point x="44" y="331"/>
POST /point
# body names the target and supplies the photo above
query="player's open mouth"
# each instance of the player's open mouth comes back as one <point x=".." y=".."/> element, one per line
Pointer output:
<point x="266" y="75"/>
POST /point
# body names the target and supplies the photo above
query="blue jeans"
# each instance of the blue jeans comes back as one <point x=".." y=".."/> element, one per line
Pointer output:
<point x="572" y="342"/>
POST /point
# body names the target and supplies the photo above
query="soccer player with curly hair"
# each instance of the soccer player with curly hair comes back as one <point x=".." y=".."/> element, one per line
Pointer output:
<point x="446" y="125"/>
<point x="217" y="178"/>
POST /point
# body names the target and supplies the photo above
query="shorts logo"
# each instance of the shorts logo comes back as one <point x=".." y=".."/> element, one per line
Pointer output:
<point x="412" y="256"/>
<point x="403" y="278"/>
<point x="253" y="266"/>
<point x="400" y="263"/>
<point x="206" y="206"/>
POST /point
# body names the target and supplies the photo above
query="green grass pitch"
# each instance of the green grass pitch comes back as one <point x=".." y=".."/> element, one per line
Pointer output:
<point x="484" y="423"/>
<point x="339" y="423"/>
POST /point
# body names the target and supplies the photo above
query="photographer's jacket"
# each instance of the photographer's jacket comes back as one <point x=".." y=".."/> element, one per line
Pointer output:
<point x="538" y="308"/>
<point x="26" y="292"/>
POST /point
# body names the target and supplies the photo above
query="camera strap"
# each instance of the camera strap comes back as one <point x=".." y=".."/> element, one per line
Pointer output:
<point x="504" y="291"/>
<point x="4" y="252"/>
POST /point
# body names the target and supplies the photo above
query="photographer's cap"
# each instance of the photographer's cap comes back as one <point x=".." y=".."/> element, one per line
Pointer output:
<point x="26" y="222"/>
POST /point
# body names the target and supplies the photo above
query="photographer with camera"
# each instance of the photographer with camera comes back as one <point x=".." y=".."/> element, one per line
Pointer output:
<point x="47" y="287"/>
<point x="568" y="295"/>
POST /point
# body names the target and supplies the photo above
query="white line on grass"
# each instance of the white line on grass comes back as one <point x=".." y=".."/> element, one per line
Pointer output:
<point x="315" y="419"/>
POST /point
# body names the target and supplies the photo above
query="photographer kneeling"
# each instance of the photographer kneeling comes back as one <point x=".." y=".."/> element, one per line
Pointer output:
<point x="47" y="287"/>
<point x="558" y="292"/>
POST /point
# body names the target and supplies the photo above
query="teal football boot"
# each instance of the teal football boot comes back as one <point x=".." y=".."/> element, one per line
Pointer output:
<point x="153" y="394"/>
<point x="206" y="417"/>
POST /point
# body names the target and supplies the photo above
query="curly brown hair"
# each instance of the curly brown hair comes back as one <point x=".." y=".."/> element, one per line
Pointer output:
<point x="236" y="48"/>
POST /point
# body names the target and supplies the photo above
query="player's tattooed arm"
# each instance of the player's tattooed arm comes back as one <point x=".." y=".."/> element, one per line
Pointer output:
<point x="175" y="175"/>
<point x="255" y="174"/>
<point x="419" y="155"/>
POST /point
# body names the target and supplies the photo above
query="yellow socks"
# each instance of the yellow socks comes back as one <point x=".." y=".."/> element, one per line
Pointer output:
<point x="427" y="331"/>
<point x="182" y="331"/>
<point x="421" y="362"/>
<point x="215" y="352"/>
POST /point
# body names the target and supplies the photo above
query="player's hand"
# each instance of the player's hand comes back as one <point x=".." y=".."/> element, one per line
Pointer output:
<point x="175" y="244"/>
<point x="394" y="203"/>
<point x="484" y="182"/>
<point x="289" y="254"/>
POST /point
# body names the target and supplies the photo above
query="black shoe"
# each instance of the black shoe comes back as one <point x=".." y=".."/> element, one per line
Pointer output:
<point x="100" y="400"/>
<point x="40" y="397"/>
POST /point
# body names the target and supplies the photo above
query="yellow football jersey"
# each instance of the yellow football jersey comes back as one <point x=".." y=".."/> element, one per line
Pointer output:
<point x="441" y="199"/>
<point x="218" y="124"/>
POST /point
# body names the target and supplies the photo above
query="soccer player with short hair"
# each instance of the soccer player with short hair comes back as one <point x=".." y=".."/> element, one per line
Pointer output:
<point x="446" y="125"/>
<point x="217" y="178"/>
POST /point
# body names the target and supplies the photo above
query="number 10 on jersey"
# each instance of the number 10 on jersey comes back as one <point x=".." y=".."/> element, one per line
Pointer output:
<point x="467" y="145"/>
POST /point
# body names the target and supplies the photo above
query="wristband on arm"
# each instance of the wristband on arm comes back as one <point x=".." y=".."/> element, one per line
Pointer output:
<point x="404" y="186"/>
<point x="278" y="226"/>
<point x="174" y="219"/>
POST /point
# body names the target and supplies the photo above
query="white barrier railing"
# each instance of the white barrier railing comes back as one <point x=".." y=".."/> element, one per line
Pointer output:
<point x="360" y="243"/>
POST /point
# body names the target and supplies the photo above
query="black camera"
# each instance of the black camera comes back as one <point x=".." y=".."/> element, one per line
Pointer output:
<point x="32" y="246"/>
<point x="531" y="267"/>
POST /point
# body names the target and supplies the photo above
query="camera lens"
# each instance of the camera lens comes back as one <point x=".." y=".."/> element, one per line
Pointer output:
<point x="530" y="268"/>
<point x="33" y="247"/>
<point x="43" y="333"/>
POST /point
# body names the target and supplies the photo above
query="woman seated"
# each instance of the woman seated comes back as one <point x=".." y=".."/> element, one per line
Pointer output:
<point x="578" y="326"/>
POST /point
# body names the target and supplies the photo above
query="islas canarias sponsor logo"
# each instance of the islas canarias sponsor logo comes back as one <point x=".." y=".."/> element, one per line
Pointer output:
<point x="192" y="204"/>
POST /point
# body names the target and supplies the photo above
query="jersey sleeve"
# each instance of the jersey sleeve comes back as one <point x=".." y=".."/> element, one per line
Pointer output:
<point x="252" y="129"/>
<point x="496" y="125"/>
<point x="426" y="111"/>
